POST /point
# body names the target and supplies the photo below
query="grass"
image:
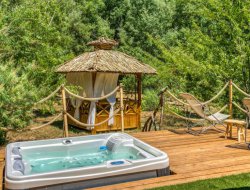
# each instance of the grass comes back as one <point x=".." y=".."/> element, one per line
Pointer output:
<point x="233" y="182"/>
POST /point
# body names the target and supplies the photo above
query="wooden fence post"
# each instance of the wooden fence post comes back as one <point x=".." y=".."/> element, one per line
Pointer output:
<point x="162" y="102"/>
<point x="231" y="99"/>
<point x="139" y="91"/>
<point x="122" y="107"/>
<point x="65" y="119"/>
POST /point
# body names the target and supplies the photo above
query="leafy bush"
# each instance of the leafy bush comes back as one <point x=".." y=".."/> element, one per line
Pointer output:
<point x="17" y="96"/>
<point x="2" y="137"/>
<point x="150" y="100"/>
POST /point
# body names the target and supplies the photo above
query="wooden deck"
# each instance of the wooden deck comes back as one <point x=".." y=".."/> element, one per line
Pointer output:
<point x="191" y="158"/>
<point x="1" y="166"/>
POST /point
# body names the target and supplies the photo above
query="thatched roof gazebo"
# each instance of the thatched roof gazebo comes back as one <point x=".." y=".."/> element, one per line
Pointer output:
<point x="97" y="73"/>
<point x="104" y="59"/>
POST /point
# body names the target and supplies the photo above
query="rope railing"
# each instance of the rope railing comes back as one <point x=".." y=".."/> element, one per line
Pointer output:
<point x="165" y="90"/>
<point x="240" y="90"/>
<point x="175" y="98"/>
<point x="240" y="108"/>
<point x="46" y="124"/>
<point x="185" y="118"/>
<point x="217" y="95"/>
<point x="33" y="128"/>
<point x="92" y="99"/>
<point x="194" y="119"/>
<point x="49" y="96"/>
<point x="4" y="129"/>
<point x="66" y="114"/>
<point x="203" y="103"/>
<point x="39" y="102"/>
<point x="222" y="109"/>
<point x="92" y="125"/>
<point x="148" y="123"/>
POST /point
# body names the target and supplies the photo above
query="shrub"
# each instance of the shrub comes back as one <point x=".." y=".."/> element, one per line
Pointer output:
<point x="17" y="96"/>
<point x="150" y="100"/>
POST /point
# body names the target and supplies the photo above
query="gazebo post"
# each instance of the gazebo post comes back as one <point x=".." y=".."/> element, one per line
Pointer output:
<point x="122" y="107"/>
<point x="65" y="119"/>
<point x="93" y="130"/>
<point x="139" y="90"/>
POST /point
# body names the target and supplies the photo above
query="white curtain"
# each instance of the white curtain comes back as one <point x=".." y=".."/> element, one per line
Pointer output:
<point x="110" y="85"/>
<point x="84" y="82"/>
<point x="104" y="84"/>
<point x="98" y="89"/>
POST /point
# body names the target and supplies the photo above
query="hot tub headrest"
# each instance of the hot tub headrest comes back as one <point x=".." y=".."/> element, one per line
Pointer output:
<point x="22" y="166"/>
<point x="15" y="150"/>
<point x="117" y="140"/>
<point x="19" y="166"/>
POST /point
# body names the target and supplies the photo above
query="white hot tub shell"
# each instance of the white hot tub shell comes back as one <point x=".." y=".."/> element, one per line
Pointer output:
<point x="79" y="162"/>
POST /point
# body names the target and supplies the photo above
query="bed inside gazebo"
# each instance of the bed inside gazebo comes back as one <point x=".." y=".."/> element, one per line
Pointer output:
<point x="96" y="74"/>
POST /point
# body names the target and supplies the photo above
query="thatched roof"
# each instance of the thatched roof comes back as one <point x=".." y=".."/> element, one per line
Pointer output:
<point x="103" y="43"/>
<point x="103" y="59"/>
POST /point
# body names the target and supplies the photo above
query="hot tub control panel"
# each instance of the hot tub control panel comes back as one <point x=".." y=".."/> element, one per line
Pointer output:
<point x="116" y="163"/>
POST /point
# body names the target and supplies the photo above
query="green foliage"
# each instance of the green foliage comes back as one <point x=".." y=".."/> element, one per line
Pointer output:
<point x="17" y="95"/>
<point x="150" y="100"/>
<point x="195" y="45"/>
<point x="2" y="137"/>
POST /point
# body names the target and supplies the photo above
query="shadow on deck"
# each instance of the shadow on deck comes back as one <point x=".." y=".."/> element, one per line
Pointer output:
<point x="191" y="157"/>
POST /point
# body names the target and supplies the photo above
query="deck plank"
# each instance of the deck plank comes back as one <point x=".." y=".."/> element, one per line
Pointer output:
<point x="2" y="153"/>
<point x="2" y="163"/>
<point x="1" y="174"/>
<point x="192" y="158"/>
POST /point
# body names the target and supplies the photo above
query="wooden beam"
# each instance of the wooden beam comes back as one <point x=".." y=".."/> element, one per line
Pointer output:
<point x="162" y="103"/>
<point x="122" y="107"/>
<point x="231" y="99"/>
<point x="2" y="164"/>
<point x="65" y="119"/>
<point x="139" y="91"/>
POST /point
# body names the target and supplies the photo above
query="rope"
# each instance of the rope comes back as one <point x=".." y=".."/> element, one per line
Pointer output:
<point x="92" y="99"/>
<point x="32" y="128"/>
<point x="4" y="129"/>
<point x="91" y="125"/>
<point x="240" y="108"/>
<point x="216" y="96"/>
<point x="186" y="118"/>
<point x="222" y="109"/>
<point x="175" y="98"/>
<point x="38" y="127"/>
<point x="49" y="96"/>
<point x="238" y="88"/>
<point x="204" y="103"/>
<point x="192" y="119"/>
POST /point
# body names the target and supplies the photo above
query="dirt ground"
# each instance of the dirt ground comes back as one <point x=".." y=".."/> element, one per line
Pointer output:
<point x="55" y="130"/>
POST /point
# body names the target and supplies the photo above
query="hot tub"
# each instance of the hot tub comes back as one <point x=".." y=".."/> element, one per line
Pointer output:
<point x="81" y="162"/>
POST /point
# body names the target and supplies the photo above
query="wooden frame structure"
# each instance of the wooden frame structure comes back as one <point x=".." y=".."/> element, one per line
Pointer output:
<point x="127" y="118"/>
<point x="105" y="60"/>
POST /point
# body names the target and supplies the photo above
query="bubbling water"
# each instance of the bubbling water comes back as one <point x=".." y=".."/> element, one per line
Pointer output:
<point x="42" y="162"/>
